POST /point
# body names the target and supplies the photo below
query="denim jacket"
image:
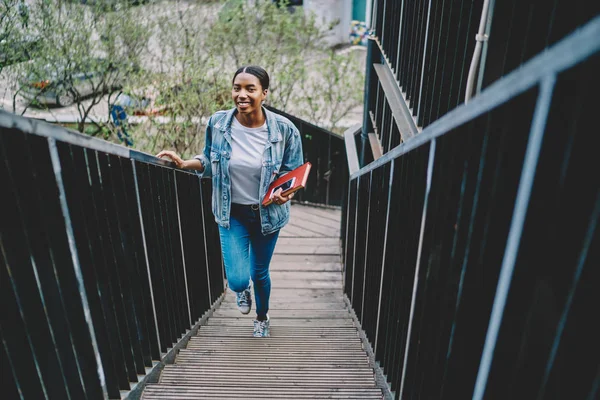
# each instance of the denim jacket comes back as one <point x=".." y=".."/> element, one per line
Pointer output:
<point x="283" y="153"/>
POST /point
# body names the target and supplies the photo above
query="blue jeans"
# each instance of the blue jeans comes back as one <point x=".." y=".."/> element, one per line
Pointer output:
<point x="247" y="254"/>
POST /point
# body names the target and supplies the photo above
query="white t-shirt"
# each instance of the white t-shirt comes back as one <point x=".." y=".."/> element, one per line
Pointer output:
<point x="245" y="165"/>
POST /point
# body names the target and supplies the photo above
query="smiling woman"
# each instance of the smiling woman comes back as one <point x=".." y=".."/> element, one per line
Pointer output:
<point x="250" y="87"/>
<point x="246" y="149"/>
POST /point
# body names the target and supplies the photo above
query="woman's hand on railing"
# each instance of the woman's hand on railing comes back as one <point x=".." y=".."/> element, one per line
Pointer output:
<point x="180" y="162"/>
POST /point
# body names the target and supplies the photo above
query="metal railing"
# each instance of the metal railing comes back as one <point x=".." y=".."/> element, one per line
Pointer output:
<point x="471" y="249"/>
<point x="327" y="153"/>
<point x="421" y="52"/>
<point x="108" y="259"/>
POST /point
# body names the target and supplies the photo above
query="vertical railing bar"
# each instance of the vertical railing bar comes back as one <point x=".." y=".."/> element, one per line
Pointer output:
<point x="536" y="136"/>
<point x="204" y="239"/>
<point x="397" y="69"/>
<point x="484" y="50"/>
<point x="52" y="142"/>
<point x="10" y="362"/>
<point x="383" y="21"/>
<point x="387" y="223"/>
<point x="30" y="344"/>
<point x="419" y="251"/>
<point x="362" y="304"/>
<point x="38" y="283"/>
<point x="378" y="108"/>
<point x="587" y="243"/>
<point x="355" y="235"/>
<point x="187" y="292"/>
<point x="346" y="240"/>
<point x="139" y="203"/>
<point x="392" y="123"/>
<point x="75" y="258"/>
<point x="381" y="124"/>
<point x="424" y="61"/>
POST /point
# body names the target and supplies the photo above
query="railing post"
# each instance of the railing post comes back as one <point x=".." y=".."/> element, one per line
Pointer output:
<point x="424" y="61"/>
<point x="532" y="154"/>
<point x="76" y="265"/>
<point x="139" y="203"/>
<point x="204" y="240"/>
<point x="430" y="166"/>
<point x="385" y="235"/>
<point x="354" y="246"/>
<point x="362" y="305"/>
<point x="366" y="125"/>
<point x="397" y="65"/>
<point x="484" y="50"/>
<point x="187" y="292"/>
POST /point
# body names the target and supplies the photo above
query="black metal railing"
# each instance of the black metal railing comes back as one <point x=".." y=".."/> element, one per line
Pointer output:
<point x="522" y="29"/>
<point x="327" y="154"/>
<point x="107" y="260"/>
<point x="424" y="50"/>
<point x="480" y="282"/>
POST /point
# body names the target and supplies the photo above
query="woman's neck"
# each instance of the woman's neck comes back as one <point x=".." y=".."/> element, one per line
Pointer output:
<point x="252" y="120"/>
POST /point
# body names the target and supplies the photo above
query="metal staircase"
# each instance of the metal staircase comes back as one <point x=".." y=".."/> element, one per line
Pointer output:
<point x="314" y="351"/>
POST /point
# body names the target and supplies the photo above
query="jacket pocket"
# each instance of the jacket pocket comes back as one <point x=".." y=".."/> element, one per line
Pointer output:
<point x="279" y="214"/>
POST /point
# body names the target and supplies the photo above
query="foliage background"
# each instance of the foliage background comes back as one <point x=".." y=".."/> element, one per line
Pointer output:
<point x="181" y="56"/>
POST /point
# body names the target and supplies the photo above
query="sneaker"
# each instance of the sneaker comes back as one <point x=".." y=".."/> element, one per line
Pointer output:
<point x="244" y="301"/>
<point x="261" y="328"/>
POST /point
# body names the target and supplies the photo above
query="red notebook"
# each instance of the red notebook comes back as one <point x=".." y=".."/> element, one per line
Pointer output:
<point x="289" y="183"/>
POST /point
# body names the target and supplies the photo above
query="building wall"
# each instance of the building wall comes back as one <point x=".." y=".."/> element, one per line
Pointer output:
<point x="330" y="10"/>
<point x="359" y="10"/>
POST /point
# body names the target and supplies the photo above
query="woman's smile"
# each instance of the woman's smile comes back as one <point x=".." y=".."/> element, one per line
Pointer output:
<point x="248" y="93"/>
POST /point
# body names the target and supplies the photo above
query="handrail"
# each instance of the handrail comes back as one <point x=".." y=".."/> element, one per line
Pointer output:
<point x="114" y="278"/>
<point x="572" y="50"/>
<point x="326" y="152"/>
<point x="447" y="238"/>
<point x="102" y="278"/>
<point x="351" y="152"/>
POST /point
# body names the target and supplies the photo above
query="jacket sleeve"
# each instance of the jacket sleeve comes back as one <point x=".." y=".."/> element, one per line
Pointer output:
<point x="292" y="154"/>
<point x="204" y="158"/>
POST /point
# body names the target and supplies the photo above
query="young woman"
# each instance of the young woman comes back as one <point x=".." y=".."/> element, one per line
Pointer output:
<point x="247" y="148"/>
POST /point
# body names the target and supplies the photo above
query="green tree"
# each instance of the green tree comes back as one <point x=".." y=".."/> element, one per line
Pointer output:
<point x="85" y="52"/>
<point x="182" y="55"/>
<point x="199" y="55"/>
<point x="15" y="42"/>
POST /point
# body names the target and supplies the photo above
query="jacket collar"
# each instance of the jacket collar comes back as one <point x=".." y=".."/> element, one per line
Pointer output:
<point x="275" y="135"/>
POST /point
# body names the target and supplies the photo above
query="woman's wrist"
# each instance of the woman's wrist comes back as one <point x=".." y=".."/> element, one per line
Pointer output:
<point x="194" y="163"/>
